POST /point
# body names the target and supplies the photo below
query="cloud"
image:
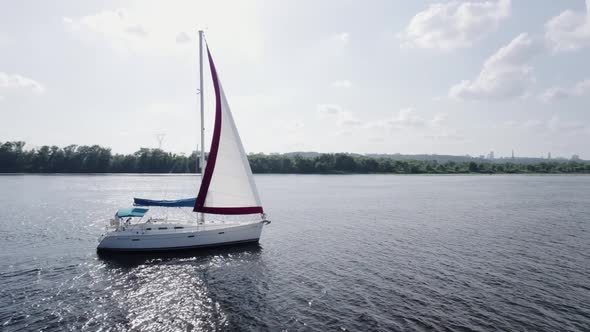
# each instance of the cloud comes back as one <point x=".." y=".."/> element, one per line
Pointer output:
<point x="260" y="102"/>
<point x="344" y="37"/>
<point x="183" y="38"/>
<point x="342" y="118"/>
<point x="342" y="84"/>
<point x="445" y="136"/>
<point x="329" y="109"/>
<point x="4" y="40"/>
<point x="297" y="125"/>
<point x="553" y="124"/>
<point x="166" y="29"/>
<point x="556" y="124"/>
<point x="167" y="109"/>
<point x="406" y="118"/>
<point x="438" y="119"/>
<point x="557" y="93"/>
<point x="137" y="30"/>
<point x="121" y="29"/>
<point x="349" y="121"/>
<point x="569" y="31"/>
<point x="456" y="24"/>
<point x="16" y="82"/>
<point x="532" y="124"/>
<point x="506" y="74"/>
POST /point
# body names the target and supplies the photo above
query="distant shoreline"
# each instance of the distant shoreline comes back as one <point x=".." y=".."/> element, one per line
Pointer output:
<point x="295" y="174"/>
<point x="74" y="159"/>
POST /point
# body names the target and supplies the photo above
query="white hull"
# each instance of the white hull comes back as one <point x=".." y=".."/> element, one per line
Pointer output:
<point x="153" y="237"/>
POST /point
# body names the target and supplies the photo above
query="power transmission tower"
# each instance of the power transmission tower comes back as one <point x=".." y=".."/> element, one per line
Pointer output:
<point x="160" y="138"/>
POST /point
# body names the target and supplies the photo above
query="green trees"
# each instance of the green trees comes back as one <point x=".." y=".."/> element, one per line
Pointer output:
<point x="344" y="163"/>
<point x="9" y="154"/>
<point x="88" y="159"/>
<point x="96" y="159"/>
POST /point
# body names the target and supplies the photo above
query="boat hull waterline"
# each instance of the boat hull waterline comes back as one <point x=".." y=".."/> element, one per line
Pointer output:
<point x="191" y="237"/>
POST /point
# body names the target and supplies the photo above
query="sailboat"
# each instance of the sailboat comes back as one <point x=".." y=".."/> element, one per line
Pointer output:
<point x="227" y="188"/>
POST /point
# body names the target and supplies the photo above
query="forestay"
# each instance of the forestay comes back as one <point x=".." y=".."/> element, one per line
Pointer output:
<point x="228" y="185"/>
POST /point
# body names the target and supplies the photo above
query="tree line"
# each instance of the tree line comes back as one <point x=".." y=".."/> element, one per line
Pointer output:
<point x="14" y="158"/>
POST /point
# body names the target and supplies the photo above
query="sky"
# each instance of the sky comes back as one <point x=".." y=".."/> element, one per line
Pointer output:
<point x="410" y="77"/>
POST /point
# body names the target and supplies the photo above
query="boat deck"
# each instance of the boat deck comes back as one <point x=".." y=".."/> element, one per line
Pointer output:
<point x="160" y="227"/>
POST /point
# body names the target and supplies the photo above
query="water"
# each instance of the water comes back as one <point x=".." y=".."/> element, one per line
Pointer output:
<point x="356" y="253"/>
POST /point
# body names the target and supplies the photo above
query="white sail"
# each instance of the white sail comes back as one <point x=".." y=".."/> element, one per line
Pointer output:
<point x="228" y="185"/>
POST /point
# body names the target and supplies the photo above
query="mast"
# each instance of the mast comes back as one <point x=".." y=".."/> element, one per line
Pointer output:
<point x="201" y="163"/>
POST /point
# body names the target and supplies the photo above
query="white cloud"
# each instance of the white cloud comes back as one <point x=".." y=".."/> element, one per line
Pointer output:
<point x="166" y="109"/>
<point x="182" y="38"/>
<point x="16" y="82"/>
<point x="455" y="24"/>
<point x="553" y="124"/>
<point x="3" y="40"/>
<point x="557" y="93"/>
<point x="411" y="123"/>
<point x="506" y="74"/>
<point x="136" y="30"/>
<point x="344" y="37"/>
<point x="569" y="30"/>
<point x="154" y="28"/>
<point x="532" y="124"/>
<point x="297" y="125"/>
<point x="556" y="124"/>
<point x="406" y="118"/>
<point x="509" y="124"/>
<point x="438" y="119"/>
<point x="342" y="84"/>
<point x="262" y="102"/>
<point x="124" y="31"/>
<point x="329" y="109"/>
<point x="376" y="139"/>
<point x="446" y="136"/>
<point x="349" y="121"/>
<point x="342" y="118"/>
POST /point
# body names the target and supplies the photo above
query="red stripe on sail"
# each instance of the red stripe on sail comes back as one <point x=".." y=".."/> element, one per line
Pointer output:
<point x="199" y="205"/>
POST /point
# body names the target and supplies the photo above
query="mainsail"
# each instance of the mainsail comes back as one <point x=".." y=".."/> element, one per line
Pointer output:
<point x="228" y="185"/>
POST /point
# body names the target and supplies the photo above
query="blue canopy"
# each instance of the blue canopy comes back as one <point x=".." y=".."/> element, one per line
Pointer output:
<point x="131" y="212"/>
<point x="187" y="202"/>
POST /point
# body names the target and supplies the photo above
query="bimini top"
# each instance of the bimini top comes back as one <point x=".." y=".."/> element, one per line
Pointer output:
<point x="187" y="202"/>
<point x="131" y="212"/>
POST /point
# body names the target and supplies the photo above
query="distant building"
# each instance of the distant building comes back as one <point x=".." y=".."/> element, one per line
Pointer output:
<point x="549" y="155"/>
<point x="512" y="153"/>
<point x="491" y="155"/>
<point x="575" y="157"/>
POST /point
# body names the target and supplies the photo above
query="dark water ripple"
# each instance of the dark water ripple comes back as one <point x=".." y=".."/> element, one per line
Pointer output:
<point x="344" y="253"/>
